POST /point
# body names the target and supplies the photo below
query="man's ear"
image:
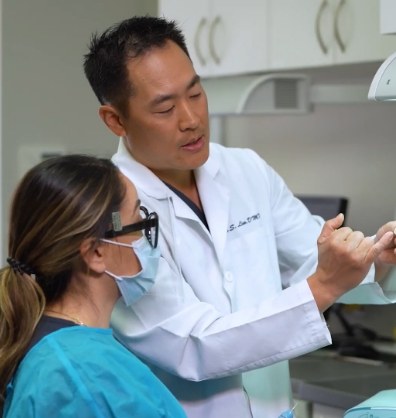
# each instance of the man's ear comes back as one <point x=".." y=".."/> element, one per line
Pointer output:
<point x="92" y="252"/>
<point x="112" y="118"/>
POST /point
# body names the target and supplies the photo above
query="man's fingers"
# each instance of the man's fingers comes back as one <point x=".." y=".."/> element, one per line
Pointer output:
<point x="381" y="245"/>
<point x="330" y="226"/>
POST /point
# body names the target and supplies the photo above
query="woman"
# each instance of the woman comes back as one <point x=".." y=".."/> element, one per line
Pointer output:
<point x="77" y="242"/>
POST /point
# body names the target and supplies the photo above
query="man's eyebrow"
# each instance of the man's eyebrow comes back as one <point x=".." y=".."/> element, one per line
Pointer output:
<point x="164" y="97"/>
<point x="137" y="205"/>
<point x="195" y="80"/>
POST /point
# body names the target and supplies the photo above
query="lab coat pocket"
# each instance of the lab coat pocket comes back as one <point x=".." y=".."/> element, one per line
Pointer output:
<point x="252" y="257"/>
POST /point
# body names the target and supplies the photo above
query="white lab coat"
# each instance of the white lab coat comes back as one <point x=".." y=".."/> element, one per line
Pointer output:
<point x="222" y="319"/>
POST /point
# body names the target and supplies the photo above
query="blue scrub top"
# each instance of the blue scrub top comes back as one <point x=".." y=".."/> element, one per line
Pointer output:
<point x="84" y="372"/>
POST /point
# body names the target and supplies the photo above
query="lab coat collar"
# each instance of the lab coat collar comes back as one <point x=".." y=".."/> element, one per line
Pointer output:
<point x="142" y="177"/>
<point x="147" y="182"/>
<point x="145" y="179"/>
<point x="212" y="186"/>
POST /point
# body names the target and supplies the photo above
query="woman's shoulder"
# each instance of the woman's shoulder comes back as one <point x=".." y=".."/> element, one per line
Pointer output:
<point x="72" y="341"/>
<point x="79" y="350"/>
<point x="85" y="369"/>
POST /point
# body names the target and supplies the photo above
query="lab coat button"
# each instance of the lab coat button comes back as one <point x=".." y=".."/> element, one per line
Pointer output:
<point x="228" y="276"/>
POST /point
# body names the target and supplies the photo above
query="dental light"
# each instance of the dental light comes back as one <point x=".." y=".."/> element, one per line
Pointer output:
<point x="383" y="86"/>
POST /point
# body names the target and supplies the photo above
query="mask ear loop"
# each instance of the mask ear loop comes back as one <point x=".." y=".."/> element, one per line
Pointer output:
<point x="120" y="244"/>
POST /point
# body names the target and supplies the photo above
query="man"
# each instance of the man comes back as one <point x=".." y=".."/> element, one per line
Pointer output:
<point x="246" y="271"/>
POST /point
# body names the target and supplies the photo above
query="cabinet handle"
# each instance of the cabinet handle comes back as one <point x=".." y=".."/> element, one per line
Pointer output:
<point x="197" y="37"/>
<point x="337" y="33"/>
<point x="318" y="33"/>
<point x="212" y="48"/>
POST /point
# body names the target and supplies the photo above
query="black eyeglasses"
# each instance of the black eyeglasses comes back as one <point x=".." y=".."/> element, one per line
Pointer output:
<point x="149" y="225"/>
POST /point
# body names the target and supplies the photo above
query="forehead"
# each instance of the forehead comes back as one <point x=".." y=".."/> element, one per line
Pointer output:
<point x="161" y="70"/>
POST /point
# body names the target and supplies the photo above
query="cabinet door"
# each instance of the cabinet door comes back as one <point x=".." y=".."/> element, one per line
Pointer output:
<point x="300" y="33"/>
<point x="357" y="32"/>
<point x="193" y="19"/>
<point x="238" y="40"/>
<point x="387" y="16"/>
<point x="311" y="33"/>
<point x="224" y="37"/>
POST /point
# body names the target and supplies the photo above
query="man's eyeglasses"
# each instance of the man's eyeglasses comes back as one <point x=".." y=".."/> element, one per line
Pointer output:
<point x="149" y="225"/>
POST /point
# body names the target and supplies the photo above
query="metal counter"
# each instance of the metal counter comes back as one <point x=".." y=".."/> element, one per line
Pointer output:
<point x="337" y="381"/>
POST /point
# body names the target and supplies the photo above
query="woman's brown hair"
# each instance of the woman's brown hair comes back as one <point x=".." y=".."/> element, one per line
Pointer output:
<point x="58" y="204"/>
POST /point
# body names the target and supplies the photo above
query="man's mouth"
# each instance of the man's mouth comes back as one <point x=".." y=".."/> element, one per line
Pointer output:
<point x="195" y="144"/>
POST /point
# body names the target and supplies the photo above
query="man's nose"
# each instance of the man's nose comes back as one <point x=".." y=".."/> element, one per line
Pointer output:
<point x="188" y="118"/>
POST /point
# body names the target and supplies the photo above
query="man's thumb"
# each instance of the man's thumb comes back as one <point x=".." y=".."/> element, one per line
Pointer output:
<point x="330" y="226"/>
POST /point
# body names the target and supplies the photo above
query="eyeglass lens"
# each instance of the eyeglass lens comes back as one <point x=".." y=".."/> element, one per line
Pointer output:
<point x="151" y="231"/>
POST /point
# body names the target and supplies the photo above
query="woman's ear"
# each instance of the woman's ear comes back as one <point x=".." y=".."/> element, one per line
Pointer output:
<point x="92" y="253"/>
<point x="112" y="118"/>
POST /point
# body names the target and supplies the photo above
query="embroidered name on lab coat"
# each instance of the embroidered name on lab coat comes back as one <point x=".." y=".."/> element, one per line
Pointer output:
<point x="244" y="222"/>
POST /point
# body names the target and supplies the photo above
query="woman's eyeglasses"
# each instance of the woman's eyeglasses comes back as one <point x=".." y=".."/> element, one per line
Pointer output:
<point x="149" y="224"/>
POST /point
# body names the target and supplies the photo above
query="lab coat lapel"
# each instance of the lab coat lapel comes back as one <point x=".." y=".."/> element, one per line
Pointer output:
<point x="143" y="178"/>
<point x="146" y="180"/>
<point x="182" y="210"/>
<point x="213" y="191"/>
<point x="215" y="196"/>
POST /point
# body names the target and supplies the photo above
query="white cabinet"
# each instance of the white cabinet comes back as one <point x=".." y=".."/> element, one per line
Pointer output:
<point x="227" y="37"/>
<point x="387" y="16"/>
<point x="224" y="37"/>
<point x="310" y="33"/>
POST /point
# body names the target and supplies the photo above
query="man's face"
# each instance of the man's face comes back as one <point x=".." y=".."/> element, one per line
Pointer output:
<point x="167" y="126"/>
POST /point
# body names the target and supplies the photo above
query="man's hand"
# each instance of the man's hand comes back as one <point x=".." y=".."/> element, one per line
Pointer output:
<point x="344" y="259"/>
<point x="388" y="255"/>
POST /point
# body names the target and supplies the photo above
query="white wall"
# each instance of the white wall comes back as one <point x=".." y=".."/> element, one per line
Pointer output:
<point x="338" y="149"/>
<point x="46" y="100"/>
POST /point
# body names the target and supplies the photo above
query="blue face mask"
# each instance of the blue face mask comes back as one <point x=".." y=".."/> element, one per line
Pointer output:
<point x="134" y="287"/>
